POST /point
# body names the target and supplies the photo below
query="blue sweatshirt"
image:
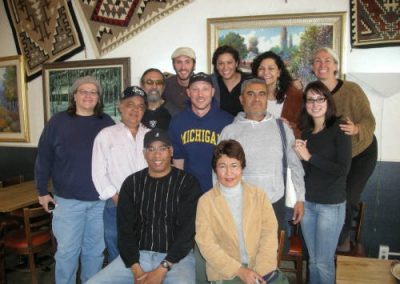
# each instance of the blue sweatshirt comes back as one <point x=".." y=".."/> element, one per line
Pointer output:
<point x="194" y="138"/>
<point x="65" y="155"/>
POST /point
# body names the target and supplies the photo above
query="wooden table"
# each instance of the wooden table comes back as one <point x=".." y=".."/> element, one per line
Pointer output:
<point x="353" y="270"/>
<point x="18" y="196"/>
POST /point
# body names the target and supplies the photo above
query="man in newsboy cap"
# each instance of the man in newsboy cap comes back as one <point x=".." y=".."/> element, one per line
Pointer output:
<point x="184" y="63"/>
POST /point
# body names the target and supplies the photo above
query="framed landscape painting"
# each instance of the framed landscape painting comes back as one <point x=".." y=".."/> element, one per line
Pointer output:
<point x="13" y="103"/>
<point x="292" y="36"/>
<point x="113" y="75"/>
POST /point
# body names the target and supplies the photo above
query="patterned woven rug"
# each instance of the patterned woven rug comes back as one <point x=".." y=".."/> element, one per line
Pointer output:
<point x="44" y="31"/>
<point x="375" y="23"/>
<point x="113" y="22"/>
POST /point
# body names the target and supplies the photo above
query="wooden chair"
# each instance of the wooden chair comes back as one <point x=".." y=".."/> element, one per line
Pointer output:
<point x="9" y="221"/>
<point x="356" y="248"/>
<point x="12" y="181"/>
<point x="281" y="242"/>
<point x="2" y="261"/>
<point x="5" y="224"/>
<point x="295" y="255"/>
<point x="35" y="237"/>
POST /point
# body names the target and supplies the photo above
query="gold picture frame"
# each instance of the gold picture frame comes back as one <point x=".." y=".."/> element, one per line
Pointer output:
<point x="14" y="125"/>
<point x="113" y="75"/>
<point x="293" y="36"/>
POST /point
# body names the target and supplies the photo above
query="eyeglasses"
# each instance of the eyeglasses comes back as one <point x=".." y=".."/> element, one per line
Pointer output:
<point x="225" y="167"/>
<point x="319" y="100"/>
<point x="87" y="93"/>
<point x="161" y="149"/>
<point x="152" y="82"/>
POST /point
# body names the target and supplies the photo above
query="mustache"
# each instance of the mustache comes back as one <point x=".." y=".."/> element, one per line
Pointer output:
<point x="153" y="95"/>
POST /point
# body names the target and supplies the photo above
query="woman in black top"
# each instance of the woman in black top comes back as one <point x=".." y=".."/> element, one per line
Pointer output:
<point x="228" y="78"/>
<point x="326" y="154"/>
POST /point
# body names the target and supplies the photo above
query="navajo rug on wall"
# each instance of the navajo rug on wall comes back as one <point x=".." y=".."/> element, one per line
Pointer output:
<point x="375" y="23"/>
<point x="44" y="31"/>
<point x="113" y="22"/>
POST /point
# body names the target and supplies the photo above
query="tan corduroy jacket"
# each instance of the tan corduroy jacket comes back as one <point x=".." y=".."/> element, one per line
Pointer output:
<point x="217" y="237"/>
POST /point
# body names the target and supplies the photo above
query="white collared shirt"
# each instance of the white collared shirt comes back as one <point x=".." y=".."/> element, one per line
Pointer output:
<point x="116" y="155"/>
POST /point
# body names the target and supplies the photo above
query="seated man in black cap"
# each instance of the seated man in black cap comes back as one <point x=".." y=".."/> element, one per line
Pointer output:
<point x="156" y="221"/>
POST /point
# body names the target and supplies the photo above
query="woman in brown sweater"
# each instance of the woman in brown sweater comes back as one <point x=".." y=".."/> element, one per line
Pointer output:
<point x="358" y="122"/>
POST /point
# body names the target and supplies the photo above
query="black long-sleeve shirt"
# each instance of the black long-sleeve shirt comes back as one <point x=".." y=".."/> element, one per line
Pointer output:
<point x="326" y="171"/>
<point x="157" y="214"/>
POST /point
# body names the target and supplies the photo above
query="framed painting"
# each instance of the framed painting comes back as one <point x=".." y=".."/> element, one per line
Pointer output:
<point x="13" y="103"/>
<point x="292" y="36"/>
<point x="113" y="75"/>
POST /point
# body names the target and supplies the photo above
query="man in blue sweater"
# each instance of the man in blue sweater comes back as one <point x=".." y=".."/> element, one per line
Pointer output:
<point x="65" y="156"/>
<point x="194" y="133"/>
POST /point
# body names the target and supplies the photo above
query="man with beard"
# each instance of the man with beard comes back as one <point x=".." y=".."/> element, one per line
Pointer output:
<point x="118" y="152"/>
<point x="158" y="112"/>
<point x="184" y="62"/>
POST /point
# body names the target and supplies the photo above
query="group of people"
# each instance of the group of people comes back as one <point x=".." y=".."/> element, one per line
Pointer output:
<point x="189" y="187"/>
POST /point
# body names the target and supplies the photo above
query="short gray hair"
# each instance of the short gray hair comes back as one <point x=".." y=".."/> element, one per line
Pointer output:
<point x="250" y="81"/>
<point x="85" y="80"/>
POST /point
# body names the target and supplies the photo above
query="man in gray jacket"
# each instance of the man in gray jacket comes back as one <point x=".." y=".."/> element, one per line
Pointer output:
<point x="259" y="134"/>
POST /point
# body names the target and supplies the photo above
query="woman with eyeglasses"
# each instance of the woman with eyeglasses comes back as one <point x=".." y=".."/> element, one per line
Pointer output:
<point x="325" y="151"/>
<point x="236" y="227"/>
<point x="358" y="123"/>
<point x="65" y="156"/>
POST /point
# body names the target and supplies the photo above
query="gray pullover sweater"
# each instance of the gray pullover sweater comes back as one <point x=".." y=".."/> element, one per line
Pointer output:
<point x="262" y="145"/>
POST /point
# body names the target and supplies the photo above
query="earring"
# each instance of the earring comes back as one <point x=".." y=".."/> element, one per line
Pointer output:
<point x="277" y="85"/>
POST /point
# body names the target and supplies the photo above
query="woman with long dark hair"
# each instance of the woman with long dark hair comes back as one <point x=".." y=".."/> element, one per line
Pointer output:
<point x="326" y="154"/>
<point x="284" y="99"/>
<point x="228" y="78"/>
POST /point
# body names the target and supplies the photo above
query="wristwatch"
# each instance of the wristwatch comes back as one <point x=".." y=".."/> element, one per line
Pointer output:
<point x="166" y="265"/>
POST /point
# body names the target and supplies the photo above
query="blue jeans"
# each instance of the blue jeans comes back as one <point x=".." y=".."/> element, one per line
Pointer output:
<point x="78" y="228"/>
<point x="110" y="230"/>
<point x="182" y="272"/>
<point x="321" y="226"/>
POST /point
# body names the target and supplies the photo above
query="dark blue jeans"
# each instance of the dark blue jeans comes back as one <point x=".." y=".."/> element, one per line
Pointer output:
<point x="110" y="230"/>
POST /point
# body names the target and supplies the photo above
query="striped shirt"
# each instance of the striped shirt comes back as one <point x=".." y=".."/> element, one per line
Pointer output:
<point x="157" y="214"/>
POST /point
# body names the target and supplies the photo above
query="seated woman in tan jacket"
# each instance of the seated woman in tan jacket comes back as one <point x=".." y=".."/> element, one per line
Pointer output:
<point x="236" y="228"/>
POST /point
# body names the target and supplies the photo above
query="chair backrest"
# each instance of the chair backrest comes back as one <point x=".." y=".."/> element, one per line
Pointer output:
<point x="12" y="181"/>
<point x="359" y="220"/>
<point x="281" y="243"/>
<point x="36" y="221"/>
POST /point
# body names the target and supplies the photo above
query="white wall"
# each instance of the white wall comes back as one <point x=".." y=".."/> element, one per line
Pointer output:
<point x="188" y="27"/>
